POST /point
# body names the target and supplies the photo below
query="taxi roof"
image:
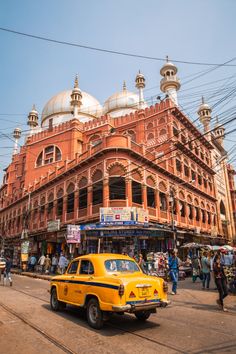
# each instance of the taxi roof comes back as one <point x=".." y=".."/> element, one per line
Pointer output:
<point x="103" y="256"/>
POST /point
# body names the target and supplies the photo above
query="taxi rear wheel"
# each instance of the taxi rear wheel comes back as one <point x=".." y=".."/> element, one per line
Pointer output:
<point x="142" y="315"/>
<point x="94" y="314"/>
<point x="56" y="305"/>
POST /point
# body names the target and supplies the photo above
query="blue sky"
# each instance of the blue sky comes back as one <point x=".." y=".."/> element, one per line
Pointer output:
<point x="32" y="71"/>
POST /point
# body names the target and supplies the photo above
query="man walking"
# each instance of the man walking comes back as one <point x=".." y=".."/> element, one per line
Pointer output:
<point x="7" y="272"/>
<point x="63" y="263"/>
<point x="174" y="271"/>
<point x="206" y="268"/>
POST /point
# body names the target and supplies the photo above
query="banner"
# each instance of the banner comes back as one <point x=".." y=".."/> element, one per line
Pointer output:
<point x="25" y="247"/>
<point x="123" y="216"/>
<point x="73" y="234"/>
<point x="53" y="226"/>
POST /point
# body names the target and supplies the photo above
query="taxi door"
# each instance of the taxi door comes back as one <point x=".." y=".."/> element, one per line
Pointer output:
<point x="69" y="285"/>
<point x="85" y="277"/>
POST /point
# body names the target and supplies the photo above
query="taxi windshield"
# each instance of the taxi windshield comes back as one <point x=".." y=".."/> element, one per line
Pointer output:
<point x="121" y="265"/>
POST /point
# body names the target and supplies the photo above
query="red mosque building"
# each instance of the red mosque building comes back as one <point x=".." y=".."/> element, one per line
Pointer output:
<point x="126" y="156"/>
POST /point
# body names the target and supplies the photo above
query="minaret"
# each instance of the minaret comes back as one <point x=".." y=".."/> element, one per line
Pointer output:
<point x="33" y="120"/>
<point x="170" y="84"/>
<point x="140" y="84"/>
<point x="219" y="132"/>
<point x="124" y="86"/>
<point x="204" y="112"/>
<point x="76" y="98"/>
<point x="16" y="136"/>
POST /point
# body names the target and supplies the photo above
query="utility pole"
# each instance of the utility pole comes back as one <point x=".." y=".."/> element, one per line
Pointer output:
<point x="172" y="205"/>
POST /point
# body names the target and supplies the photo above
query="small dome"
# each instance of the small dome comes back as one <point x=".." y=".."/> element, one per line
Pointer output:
<point x="204" y="106"/>
<point x="59" y="108"/>
<point x="122" y="103"/>
<point x="168" y="66"/>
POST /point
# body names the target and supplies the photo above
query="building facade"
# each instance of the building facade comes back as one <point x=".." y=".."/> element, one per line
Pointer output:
<point x="125" y="155"/>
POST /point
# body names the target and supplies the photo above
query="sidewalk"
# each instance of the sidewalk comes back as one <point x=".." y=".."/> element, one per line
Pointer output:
<point x="32" y="275"/>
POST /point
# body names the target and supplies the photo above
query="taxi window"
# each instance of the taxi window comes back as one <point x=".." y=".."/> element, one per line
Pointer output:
<point x="121" y="265"/>
<point x="73" y="268"/>
<point x="86" y="267"/>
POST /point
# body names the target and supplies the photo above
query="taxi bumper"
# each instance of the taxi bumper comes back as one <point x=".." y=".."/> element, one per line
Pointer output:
<point x="144" y="306"/>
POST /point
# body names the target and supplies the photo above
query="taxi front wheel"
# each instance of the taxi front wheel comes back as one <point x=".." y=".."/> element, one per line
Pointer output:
<point x="56" y="305"/>
<point x="94" y="314"/>
<point x="142" y="315"/>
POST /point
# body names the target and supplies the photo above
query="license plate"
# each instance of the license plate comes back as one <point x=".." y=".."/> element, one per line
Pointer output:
<point x="144" y="292"/>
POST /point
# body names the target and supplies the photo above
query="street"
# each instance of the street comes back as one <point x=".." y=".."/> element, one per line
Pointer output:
<point x="191" y="324"/>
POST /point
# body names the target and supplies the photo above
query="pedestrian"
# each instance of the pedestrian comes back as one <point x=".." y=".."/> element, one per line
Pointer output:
<point x="173" y="263"/>
<point x="54" y="263"/>
<point x="7" y="271"/>
<point x="47" y="264"/>
<point x="32" y="263"/>
<point x="196" y="268"/>
<point x="41" y="262"/>
<point x="206" y="269"/>
<point x="221" y="282"/>
<point x="63" y="263"/>
<point x="141" y="262"/>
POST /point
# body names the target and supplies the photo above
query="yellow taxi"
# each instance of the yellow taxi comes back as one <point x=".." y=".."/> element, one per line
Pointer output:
<point x="108" y="283"/>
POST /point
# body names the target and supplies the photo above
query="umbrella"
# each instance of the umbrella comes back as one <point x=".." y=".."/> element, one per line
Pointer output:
<point x="227" y="247"/>
<point x="192" y="245"/>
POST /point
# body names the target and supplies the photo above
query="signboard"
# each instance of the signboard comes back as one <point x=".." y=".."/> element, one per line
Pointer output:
<point x="123" y="216"/>
<point x="25" y="247"/>
<point x="53" y="225"/>
<point x="73" y="234"/>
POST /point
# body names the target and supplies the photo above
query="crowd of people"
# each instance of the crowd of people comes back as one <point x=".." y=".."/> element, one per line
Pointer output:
<point x="219" y="265"/>
<point x="48" y="265"/>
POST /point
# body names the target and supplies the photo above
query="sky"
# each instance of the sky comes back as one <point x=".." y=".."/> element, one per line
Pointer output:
<point x="32" y="71"/>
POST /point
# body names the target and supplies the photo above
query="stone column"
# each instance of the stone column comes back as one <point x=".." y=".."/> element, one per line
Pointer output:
<point x="90" y="201"/>
<point x="76" y="203"/>
<point x="106" y="199"/>
<point x="144" y="196"/>
<point x="128" y="192"/>
<point x="64" y="209"/>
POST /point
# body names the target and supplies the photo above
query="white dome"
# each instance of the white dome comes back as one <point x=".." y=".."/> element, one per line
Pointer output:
<point x="59" y="108"/>
<point x="122" y="103"/>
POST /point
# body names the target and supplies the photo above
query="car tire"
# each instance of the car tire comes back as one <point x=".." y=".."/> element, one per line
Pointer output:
<point x="94" y="314"/>
<point x="56" y="305"/>
<point x="142" y="315"/>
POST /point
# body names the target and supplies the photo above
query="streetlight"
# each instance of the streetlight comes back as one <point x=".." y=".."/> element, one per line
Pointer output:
<point x="172" y="203"/>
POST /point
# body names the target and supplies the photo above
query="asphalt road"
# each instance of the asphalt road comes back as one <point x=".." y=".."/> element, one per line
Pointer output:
<point x="191" y="324"/>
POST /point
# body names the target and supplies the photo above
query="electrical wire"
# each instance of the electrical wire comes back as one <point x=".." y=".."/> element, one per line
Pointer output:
<point x="109" y="51"/>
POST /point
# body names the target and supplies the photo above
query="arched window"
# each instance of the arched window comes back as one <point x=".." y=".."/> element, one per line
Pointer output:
<point x="117" y="188"/>
<point x="150" y="136"/>
<point x="162" y="132"/>
<point x="182" y="208"/>
<point x="97" y="193"/>
<point x="222" y="208"/>
<point x="83" y="193"/>
<point x="70" y="198"/>
<point x="60" y="202"/>
<point x="151" y="197"/>
<point x="163" y="202"/>
<point x="132" y="135"/>
<point x="136" y="192"/>
<point x="175" y="129"/>
<point x="95" y="140"/>
<point x="49" y="155"/>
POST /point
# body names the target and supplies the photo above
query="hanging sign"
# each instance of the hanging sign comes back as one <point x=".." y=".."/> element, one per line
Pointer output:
<point x="73" y="234"/>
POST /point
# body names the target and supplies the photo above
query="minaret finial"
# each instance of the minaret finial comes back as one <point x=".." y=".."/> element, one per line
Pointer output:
<point x="76" y="84"/>
<point x="167" y="58"/>
<point x="124" y="86"/>
<point x="203" y="100"/>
